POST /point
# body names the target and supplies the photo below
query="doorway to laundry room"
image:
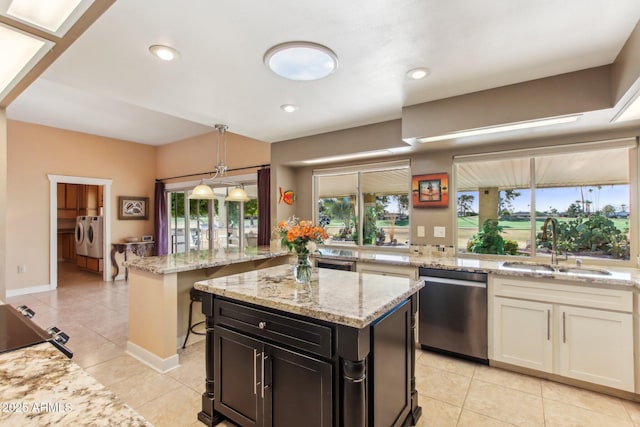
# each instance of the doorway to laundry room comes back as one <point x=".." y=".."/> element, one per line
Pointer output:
<point x="79" y="220"/>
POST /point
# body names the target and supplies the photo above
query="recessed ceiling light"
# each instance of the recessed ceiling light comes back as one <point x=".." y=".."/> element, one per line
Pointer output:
<point x="418" y="73"/>
<point x="302" y="61"/>
<point x="289" y="108"/>
<point x="48" y="14"/>
<point x="165" y="53"/>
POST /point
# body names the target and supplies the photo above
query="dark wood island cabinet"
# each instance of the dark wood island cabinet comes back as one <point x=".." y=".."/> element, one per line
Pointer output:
<point x="340" y="352"/>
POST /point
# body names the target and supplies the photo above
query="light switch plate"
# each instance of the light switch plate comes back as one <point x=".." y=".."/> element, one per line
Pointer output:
<point x="420" y="231"/>
<point x="438" y="231"/>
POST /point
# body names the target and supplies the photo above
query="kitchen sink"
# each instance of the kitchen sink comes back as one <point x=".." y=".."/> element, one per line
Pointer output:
<point x="548" y="268"/>
<point x="538" y="268"/>
<point x="580" y="270"/>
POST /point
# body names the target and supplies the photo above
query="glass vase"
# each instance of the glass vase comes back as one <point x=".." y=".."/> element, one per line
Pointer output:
<point x="302" y="269"/>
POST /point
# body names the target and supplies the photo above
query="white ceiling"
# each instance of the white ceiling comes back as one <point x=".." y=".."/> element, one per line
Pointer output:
<point x="108" y="84"/>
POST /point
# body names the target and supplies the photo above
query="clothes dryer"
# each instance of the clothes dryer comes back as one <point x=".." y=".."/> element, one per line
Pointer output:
<point x="95" y="240"/>
<point x="80" y="235"/>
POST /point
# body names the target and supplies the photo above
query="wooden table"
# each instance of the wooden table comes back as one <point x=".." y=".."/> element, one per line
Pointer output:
<point x="138" y="248"/>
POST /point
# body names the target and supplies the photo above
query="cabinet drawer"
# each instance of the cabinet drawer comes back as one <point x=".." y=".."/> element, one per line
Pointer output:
<point x="562" y="293"/>
<point x="276" y="328"/>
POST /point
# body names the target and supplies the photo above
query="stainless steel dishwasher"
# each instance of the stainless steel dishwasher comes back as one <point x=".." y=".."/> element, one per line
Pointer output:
<point x="453" y="313"/>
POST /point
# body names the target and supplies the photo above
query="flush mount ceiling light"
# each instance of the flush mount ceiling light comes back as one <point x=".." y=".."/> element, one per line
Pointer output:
<point x="302" y="61"/>
<point x="289" y="108"/>
<point x="20" y="51"/>
<point x="502" y="128"/>
<point x="418" y="73"/>
<point x="165" y="53"/>
<point x="46" y="14"/>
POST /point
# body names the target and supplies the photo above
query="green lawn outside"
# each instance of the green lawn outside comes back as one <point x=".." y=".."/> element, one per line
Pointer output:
<point x="472" y="222"/>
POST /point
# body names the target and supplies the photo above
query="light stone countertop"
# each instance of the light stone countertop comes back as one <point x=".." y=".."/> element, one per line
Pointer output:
<point x="196" y="260"/>
<point x="619" y="277"/>
<point x="40" y="386"/>
<point x="341" y="297"/>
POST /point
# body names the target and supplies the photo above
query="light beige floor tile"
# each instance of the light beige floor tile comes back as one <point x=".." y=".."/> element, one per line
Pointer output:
<point x="144" y="387"/>
<point x="472" y="419"/>
<point x="509" y="379"/>
<point x="442" y="385"/>
<point x="436" y="413"/>
<point x="94" y="355"/>
<point x="117" y="369"/>
<point x="558" y="414"/>
<point x="633" y="409"/>
<point x="504" y="404"/>
<point x="446" y="363"/>
<point x="191" y="372"/>
<point x="175" y="409"/>
<point x="583" y="398"/>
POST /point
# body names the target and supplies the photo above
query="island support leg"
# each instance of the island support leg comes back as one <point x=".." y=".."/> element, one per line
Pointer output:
<point x="208" y="415"/>
<point x="416" y="409"/>
<point x="354" y="375"/>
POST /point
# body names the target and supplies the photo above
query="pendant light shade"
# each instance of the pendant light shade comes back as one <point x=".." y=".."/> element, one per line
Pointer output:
<point x="202" y="192"/>
<point x="237" y="195"/>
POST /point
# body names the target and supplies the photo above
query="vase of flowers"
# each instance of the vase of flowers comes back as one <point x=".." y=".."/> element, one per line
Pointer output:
<point x="301" y="237"/>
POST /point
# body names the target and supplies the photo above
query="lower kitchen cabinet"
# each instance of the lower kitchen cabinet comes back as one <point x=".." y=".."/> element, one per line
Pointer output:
<point x="261" y="385"/>
<point x="578" y="332"/>
<point x="387" y="270"/>
<point x="522" y="333"/>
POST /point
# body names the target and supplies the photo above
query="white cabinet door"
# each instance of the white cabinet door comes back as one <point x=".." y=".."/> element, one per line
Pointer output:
<point x="596" y="346"/>
<point x="522" y="333"/>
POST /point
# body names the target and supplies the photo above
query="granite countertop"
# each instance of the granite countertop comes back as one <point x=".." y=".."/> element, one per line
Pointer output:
<point x="40" y="386"/>
<point x="342" y="297"/>
<point x="196" y="260"/>
<point x="620" y="276"/>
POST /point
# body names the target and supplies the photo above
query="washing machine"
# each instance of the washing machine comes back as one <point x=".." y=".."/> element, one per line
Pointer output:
<point x="95" y="240"/>
<point x="80" y="235"/>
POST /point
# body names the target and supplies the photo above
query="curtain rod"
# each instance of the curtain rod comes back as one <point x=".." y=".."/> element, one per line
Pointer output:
<point x="212" y="172"/>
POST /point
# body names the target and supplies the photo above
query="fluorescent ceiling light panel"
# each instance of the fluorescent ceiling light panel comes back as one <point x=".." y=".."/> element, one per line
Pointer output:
<point x="47" y="14"/>
<point x="631" y="111"/>
<point x="19" y="52"/>
<point x="365" y="154"/>
<point x="502" y="128"/>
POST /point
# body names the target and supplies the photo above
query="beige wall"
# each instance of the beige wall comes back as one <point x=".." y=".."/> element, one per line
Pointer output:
<point x="3" y="203"/>
<point x="35" y="151"/>
<point x="198" y="154"/>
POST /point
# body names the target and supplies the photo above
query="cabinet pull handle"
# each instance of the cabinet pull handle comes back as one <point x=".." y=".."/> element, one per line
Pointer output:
<point x="255" y="376"/>
<point x="262" y="325"/>
<point x="548" y="325"/>
<point x="263" y="358"/>
<point x="564" y="327"/>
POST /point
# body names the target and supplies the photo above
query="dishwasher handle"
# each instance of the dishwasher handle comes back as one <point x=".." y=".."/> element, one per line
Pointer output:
<point x="428" y="279"/>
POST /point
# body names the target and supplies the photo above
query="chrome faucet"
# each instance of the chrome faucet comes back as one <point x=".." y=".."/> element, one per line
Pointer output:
<point x="554" y="253"/>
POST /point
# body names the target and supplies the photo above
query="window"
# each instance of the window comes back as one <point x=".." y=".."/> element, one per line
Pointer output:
<point x="586" y="193"/>
<point x="375" y="215"/>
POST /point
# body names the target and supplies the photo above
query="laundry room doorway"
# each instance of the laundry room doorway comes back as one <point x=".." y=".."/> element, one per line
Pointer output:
<point x="80" y="210"/>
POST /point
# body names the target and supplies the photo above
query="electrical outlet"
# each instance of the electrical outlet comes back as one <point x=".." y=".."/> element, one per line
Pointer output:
<point x="438" y="231"/>
<point x="420" y="231"/>
<point x="22" y="268"/>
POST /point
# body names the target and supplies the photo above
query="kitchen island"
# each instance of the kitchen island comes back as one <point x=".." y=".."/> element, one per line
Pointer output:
<point x="159" y="299"/>
<point x="337" y="352"/>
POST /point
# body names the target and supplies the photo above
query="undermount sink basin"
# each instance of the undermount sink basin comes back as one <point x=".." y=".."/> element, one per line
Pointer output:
<point x="528" y="267"/>
<point x="579" y="270"/>
<point x="548" y="268"/>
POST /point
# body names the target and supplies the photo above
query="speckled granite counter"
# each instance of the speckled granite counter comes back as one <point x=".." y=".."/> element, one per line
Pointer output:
<point x="196" y="260"/>
<point x="159" y="297"/>
<point x="620" y="276"/>
<point x="340" y="297"/>
<point x="40" y="386"/>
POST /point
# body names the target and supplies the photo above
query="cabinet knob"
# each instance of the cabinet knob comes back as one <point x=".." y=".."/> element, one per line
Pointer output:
<point x="262" y="325"/>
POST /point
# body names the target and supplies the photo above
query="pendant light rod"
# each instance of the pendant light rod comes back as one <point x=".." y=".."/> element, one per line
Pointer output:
<point x="212" y="172"/>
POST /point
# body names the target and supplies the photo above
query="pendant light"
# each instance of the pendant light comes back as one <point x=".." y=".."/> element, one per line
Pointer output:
<point x="237" y="195"/>
<point x="202" y="191"/>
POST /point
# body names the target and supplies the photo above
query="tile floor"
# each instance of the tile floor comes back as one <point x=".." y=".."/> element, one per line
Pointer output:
<point x="452" y="392"/>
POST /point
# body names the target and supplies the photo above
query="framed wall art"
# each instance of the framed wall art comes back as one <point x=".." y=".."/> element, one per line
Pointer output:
<point x="430" y="191"/>
<point x="133" y="207"/>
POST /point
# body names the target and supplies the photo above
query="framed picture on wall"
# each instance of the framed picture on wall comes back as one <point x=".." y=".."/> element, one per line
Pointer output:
<point x="130" y="207"/>
<point x="430" y="191"/>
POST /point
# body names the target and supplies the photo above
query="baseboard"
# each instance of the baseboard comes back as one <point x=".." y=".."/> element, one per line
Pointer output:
<point x="27" y="291"/>
<point x="152" y="360"/>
